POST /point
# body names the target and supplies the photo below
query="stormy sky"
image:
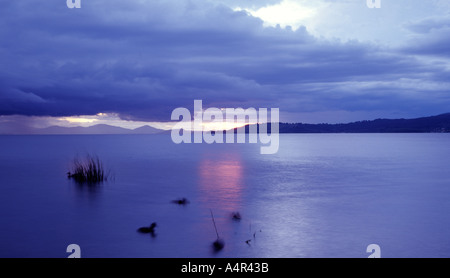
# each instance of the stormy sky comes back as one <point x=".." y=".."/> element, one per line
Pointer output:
<point x="137" y="60"/>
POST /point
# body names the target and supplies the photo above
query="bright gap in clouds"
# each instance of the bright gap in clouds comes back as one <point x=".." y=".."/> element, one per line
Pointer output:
<point x="103" y="118"/>
<point x="349" y="20"/>
<point x="113" y="119"/>
<point x="286" y="13"/>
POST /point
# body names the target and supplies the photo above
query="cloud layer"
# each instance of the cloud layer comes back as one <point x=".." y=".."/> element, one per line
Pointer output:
<point x="142" y="59"/>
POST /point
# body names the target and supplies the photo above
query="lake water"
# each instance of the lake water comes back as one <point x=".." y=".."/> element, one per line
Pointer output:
<point x="321" y="195"/>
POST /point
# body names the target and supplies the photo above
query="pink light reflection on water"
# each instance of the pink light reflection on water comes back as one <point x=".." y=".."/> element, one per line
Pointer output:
<point x="221" y="181"/>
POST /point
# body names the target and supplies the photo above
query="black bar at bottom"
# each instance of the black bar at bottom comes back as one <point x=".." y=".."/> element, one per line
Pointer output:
<point x="217" y="267"/>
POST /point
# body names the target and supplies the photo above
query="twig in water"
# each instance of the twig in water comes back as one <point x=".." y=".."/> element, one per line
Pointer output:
<point x="218" y="244"/>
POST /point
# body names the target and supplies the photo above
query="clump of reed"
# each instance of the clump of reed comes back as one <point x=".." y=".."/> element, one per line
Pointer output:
<point x="90" y="170"/>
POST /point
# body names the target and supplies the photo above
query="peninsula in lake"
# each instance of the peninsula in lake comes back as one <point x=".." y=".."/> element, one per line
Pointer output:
<point x="434" y="124"/>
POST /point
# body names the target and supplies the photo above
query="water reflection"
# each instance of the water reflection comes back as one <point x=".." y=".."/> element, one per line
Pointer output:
<point x="221" y="184"/>
<point x="84" y="192"/>
<point x="221" y="181"/>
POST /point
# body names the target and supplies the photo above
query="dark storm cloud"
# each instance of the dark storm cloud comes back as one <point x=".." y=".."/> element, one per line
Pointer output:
<point x="143" y="59"/>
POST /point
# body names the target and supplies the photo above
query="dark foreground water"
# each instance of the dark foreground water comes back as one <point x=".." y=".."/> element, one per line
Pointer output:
<point x="320" y="196"/>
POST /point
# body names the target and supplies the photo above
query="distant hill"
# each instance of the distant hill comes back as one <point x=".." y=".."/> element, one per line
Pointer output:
<point x="440" y="123"/>
<point x="96" y="129"/>
<point x="146" y="130"/>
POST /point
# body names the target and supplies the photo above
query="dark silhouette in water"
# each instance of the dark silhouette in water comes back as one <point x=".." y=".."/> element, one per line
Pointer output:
<point x="254" y="235"/>
<point x="218" y="244"/>
<point x="76" y="176"/>
<point x="236" y="216"/>
<point x="182" y="201"/>
<point x="148" y="230"/>
<point x="89" y="170"/>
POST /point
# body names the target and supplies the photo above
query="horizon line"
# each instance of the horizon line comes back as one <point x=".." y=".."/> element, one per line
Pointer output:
<point x="33" y="130"/>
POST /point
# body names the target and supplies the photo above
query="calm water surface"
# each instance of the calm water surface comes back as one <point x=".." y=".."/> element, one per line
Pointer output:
<point x="328" y="195"/>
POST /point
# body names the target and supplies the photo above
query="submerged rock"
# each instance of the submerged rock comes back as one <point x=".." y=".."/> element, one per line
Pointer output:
<point x="218" y="244"/>
<point x="236" y="216"/>
<point x="182" y="201"/>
